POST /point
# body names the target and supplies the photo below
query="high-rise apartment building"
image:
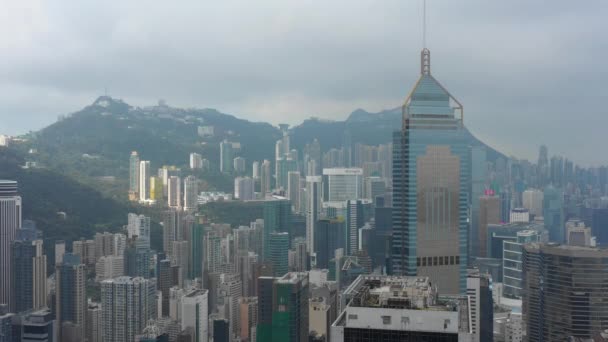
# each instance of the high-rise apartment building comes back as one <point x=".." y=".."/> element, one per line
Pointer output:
<point x="244" y="188"/>
<point x="10" y="222"/>
<point x="285" y="165"/>
<point x="265" y="177"/>
<point x="71" y="299"/>
<point x="134" y="176"/>
<point x="564" y="292"/>
<point x="174" y="192"/>
<point x="29" y="271"/>
<point x="144" y="180"/>
<point x="190" y="193"/>
<point x="196" y="161"/>
<point x="342" y="184"/>
<point x="431" y="169"/>
<point x="239" y="165"/>
<point x="127" y="304"/>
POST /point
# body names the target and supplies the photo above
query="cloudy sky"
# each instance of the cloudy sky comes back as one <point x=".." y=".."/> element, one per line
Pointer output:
<point x="527" y="72"/>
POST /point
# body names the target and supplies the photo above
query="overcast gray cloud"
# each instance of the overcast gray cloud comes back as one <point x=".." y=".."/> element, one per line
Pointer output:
<point x="527" y="72"/>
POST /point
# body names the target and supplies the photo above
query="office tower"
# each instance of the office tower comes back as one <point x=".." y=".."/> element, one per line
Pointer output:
<point x="221" y="330"/>
<point x="521" y="215"/>
<point x="249" y="312"/>
<point x="244" y="188"/>
<point x="277" y="218"/>
<point x="357" y="213"/>
<point x="293" y="189"/>
<point x="392" y="308"/>
<point x="543" y="166"/>
<point x="94" y="322"/>
<point x="564" y="291"/>
<point x="71" y="300"/>
<point x="6" y="324"/>
<point x="319" y="312"/>
<point x="195" y="314"/>
<point x="138" y="226"/>
<point x="197" y="237"/>
<point x="265" y="178"/>
<point x="512" y="262"/>
<point x="314" y="194"/>
<point x="171" y="228"/>
<point x="532" y="200"/>
<point x="196" y="161"/>
<point x="10" y="214"/>
<point x="190" y="193"/>
<point x="136" y="258"/>
<point x="38" y="326"/>
<point x="489" y="213"/>
<point x="127" y="304"/>
<point x="144" y="179"/>
<point x="226" y="158"/>
<point x="374" y="187"/>
<point x="577" y="234"/>
<point x="239" y="165"/>
<point x="134" y="176"/>
<point x="284" y="166"/>
<point x="481" y="306"/>
<point x="108" y="267"/>
<point x="156" y="188"/>
<point x="505" y="206"/>
<point x="347" y="147"/>
<point x="301" y="255"/>
<point x="174" y="192"/>
<point x="29" y="270"/>
<point x="479" y="180"/>
<point x="431" y="169"/>
<point x="166" y="280"/>
<point x="283" y="308"/>
<point x="553" y="213"/>
<point x="278" y="251"/>
<point x="327" y="236"/>
<point x="342" y="184"/>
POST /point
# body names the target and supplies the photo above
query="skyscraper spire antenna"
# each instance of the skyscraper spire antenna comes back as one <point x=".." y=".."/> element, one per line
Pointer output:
<point x="424" y="24"/>
<point x="425" y="55"/>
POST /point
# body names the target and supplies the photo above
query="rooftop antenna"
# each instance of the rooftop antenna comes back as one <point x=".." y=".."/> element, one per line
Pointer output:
<point x="425" y="55"/>
<point x="424" y="24"/>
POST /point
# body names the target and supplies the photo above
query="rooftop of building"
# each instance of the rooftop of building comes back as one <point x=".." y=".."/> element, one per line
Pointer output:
<point x="567" y="250"/>
<point x="292" y="277"/>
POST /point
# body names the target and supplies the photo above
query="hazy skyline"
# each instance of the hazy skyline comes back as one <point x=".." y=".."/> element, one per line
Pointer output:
<point x="524" y="77"/>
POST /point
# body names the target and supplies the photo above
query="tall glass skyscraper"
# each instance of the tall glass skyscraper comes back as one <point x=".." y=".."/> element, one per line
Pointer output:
<point x="431" y="176"/>
<point x="10" y="221"/>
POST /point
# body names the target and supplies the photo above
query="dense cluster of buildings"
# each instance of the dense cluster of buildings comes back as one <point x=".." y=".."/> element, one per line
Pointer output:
<point x="429" y="238"/>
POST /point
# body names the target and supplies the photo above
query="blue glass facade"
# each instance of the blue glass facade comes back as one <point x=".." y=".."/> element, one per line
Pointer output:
<point x="431" y="186"/>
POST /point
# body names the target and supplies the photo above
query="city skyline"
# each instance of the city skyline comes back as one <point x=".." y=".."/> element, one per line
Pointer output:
<point x="321" y="84"/>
